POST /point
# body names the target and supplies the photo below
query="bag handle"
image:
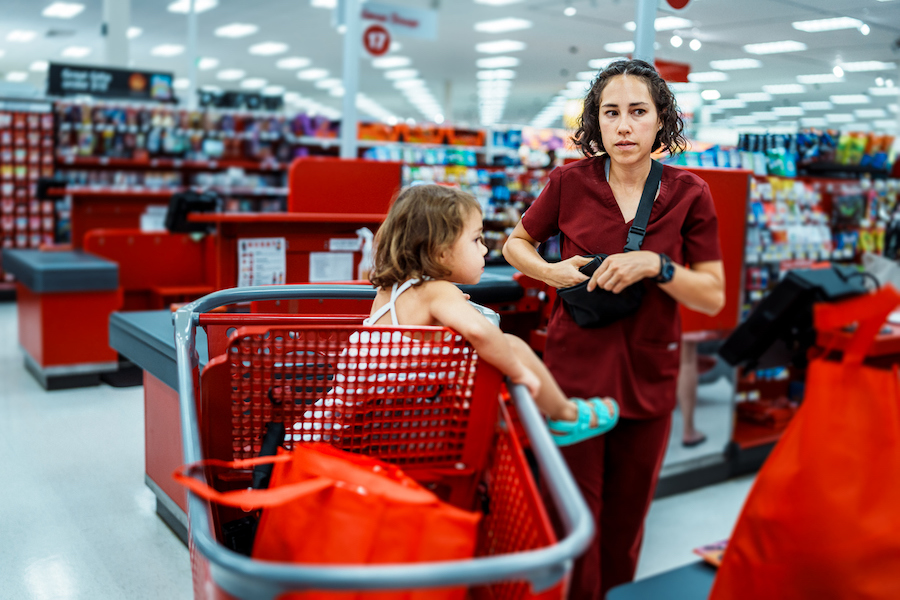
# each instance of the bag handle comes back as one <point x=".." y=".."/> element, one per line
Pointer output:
<point x="642" y="217"/>
<point x="869" y="311"/>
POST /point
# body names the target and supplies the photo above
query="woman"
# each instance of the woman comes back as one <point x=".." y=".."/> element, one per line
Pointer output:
<point x="629" y="112"/>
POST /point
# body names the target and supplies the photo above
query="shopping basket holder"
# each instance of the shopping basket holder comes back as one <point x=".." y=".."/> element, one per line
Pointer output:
<point x="513" y="554"/>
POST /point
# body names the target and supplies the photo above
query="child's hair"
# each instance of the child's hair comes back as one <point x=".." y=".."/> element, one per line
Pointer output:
<point x="423" y="221"/>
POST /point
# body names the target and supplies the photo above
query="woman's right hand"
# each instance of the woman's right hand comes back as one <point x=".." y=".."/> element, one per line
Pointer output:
<point x="565" y="273"/>
<point x="529" y="380"/>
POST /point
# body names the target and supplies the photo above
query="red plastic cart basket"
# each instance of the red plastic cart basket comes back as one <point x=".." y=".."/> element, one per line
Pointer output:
<point x="417" y="397"/>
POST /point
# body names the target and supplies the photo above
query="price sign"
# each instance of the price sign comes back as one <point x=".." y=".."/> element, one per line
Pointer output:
<point x="377" y="40"/>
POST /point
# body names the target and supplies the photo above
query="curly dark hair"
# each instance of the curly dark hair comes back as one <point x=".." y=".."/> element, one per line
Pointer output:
<point x="422" y="222"/>
<point x="671" y="136"/>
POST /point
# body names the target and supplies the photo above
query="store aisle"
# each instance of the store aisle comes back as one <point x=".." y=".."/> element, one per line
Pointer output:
<point x="77" y="521"/>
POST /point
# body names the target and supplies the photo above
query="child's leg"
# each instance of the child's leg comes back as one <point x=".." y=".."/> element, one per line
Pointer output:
<point x="551" y="400"/>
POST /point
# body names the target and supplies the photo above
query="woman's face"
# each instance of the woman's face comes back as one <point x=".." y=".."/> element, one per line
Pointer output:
<point x="628" y="119"/>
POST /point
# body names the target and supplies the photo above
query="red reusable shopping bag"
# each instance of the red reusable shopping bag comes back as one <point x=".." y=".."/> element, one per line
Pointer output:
<point x="327" y="506"/>
<point x="823" y="518"/>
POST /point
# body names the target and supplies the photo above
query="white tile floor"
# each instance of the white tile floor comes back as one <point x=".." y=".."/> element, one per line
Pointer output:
<point x="77" y="521"/>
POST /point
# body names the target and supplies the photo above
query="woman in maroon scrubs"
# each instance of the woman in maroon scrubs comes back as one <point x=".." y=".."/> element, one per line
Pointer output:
<point x="628" y="113"/>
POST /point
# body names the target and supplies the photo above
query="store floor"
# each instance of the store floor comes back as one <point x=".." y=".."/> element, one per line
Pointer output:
<point x="77" y="521"/>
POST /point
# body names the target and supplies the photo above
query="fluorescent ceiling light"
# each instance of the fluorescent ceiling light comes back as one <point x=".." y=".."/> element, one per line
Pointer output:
<point x="76" y="51"/>
<point x="884" y="91"/>
<point x="754" y="96"/>
<point x="743" y="120"/>
<point x="16" y="76"/>
<point x="734" y="64"/>
<point x="731" y="103"/>
<point x="785" y="88"/>
<point x="323" y="3"/>
<point x="820" y="78"/>
<point x="868" y="65"/>
<point x="664" y="24"/>
<point x="230" y="74"/>
<point x="273" y="90"/>
<point x="586" y="75"/>
<point x="39" y="66"/>
<point x="254" y="83"/>
<point x="684" y="86"/>
<point x="181" y="83"/>
<point x="167" y="50"/>
<point x="20" y="35"/>
<point x="707" y="76"/>
<point x="312" y="74"/>
<point x="882" y="125"/>
<point x="401" y="74"/>
<point x="497" y="62"/>
<point x="406" y="84"/>
<point x="602" y="63"/>
<point x="814" y="122"/>
<point x="183" y="6"/>
<point x="293" y="62"/>
<point x="62" y="10"/>
<point x="817" y="25"/>
<point x="850" y="99"/>
<point x="207" y="62"/>
<point x="503" y="25"/>
<point x="500" y="46"/>
<point x="817" y="105"/>
<point x="236" y="30"/>
<point x="325" y="84"/>
<point x="496" y="74"/>
<point x="268" y="48"/>
<point x="619" y="47"/>
<point x="788" y="111"/>
<point x="337" y="92"/>
<point x="134" y="32"/>
<point x="391" y="62"/>
<point x="710" y="94"/>
<point x="870" y="113"/>
<point x="775" y="47"/>
<point x="840" y="118"/>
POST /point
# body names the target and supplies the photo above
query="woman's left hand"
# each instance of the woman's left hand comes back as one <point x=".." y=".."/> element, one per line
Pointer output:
<point x="618" y="271"/>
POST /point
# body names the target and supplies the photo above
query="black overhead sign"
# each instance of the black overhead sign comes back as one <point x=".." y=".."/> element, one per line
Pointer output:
<point x="102" y="82"/>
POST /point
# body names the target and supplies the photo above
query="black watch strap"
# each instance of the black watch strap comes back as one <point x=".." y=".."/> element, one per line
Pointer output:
<point x="666" y="269"/>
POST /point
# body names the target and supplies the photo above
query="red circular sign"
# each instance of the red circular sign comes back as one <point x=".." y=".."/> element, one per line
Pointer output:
<point x="377" y="40"/>
<point x="677" y="4"/>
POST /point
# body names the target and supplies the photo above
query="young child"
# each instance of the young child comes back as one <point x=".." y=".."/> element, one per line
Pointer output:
<point x="431" y="239"/>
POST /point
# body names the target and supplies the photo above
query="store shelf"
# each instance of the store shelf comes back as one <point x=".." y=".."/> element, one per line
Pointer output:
<point x="167" y="163"/>
<point x="91" y="191"/>
<point x="418" y="146"/>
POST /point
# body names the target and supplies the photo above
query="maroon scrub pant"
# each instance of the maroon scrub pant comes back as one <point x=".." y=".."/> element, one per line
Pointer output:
<point x="617" y="473"/>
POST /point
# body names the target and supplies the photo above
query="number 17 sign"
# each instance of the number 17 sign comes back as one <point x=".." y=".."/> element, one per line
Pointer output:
<point x="377" y="40"/>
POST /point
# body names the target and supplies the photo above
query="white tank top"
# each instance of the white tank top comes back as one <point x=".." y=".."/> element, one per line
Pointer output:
<point x="396" y="290"/>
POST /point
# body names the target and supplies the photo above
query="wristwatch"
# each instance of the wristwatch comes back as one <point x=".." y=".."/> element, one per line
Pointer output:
<point x="666" y="269"/>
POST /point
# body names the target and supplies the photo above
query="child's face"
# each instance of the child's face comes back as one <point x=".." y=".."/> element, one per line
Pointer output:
<point x="465" y="258"/>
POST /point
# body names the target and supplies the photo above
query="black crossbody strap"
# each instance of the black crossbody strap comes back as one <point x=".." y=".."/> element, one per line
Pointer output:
<point x="642" y="217"/>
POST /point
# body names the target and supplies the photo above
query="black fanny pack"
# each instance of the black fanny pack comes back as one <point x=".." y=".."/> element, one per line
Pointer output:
<point x="601" y="307"/>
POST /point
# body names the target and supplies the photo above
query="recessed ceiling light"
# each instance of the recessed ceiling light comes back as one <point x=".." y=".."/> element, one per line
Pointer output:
<point x="183" y="6"/>
<point x="870" y="113"/>
<point x="323" y="3"/>
<point x="816" y="105"/>
<point x="236" y="30"/>
<point x="733" y="64"/>
<point x="775" y="47"/>
<point x="401" y="74"/>
<point x="602" y="63"/>
<point x="754" y="96"/>
<point x="664" y="24"/>
<point x="293" y="62"/>
<point x="39" y="66"/>
<point x="496" y="74"/>
<point x="390" y="62"/>
<point x="20" y="35"/>
<point x="868" y="65"/>
<point x="710" y="94"/>
<point x="500" y="46"/>
<point x="840" y="118"/>
<point x="254" y="83"/>
<point x="819" y="78"/>
<point x="570" y="11"/>
<point x="325" y="84"/>
<point x="788" y="111"/>
<point x="832" y="24"/>
<point x="502" y="25"/>
<point x="16" y="76"/>
<point x="207" y="63"/>
<point x="676" y="41"/>
<point x="181" y="83"/>
<point x="865" y="29"/>
<point x="884" y="91"/>
<point x="785" y="88"/>
<point x="167" y="50"/>
<point x="312" y="74"/>
<point x="497" y="62"/>
<point x="76" y="51"/>
<point x="695" y="44"/>
<point x="837" y="71"/>
<point x="62" y="10"/>
<point x="134" y="32"/>
<point x="619" y="47"/>
<point x="850" y="99"/>
<point x="707" y="76"/>
<point x="230" y="74"/>
<point x="731" y="103"/>
<point x="268" y="48"/>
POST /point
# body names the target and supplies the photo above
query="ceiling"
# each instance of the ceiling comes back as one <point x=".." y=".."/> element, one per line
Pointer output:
<point x="558" y="47"/>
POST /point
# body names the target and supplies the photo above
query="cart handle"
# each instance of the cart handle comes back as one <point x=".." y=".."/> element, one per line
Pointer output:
<point x="244" y="577"/>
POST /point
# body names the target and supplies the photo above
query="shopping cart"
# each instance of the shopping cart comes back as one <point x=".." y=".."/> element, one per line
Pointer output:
<point x="294" y="368"/>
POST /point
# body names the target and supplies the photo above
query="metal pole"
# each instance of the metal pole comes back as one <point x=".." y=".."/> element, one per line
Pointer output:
<point x="116" y="18"/>
<point x="352" y="40"/>
<point x="645" y="31"/>
<point x="192" y="56"/>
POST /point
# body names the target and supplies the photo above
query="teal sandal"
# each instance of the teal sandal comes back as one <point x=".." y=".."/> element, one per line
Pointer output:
<point x="566" y="433"/>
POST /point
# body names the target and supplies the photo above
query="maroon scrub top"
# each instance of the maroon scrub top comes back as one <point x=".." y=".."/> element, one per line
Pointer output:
<point x="635" y="359"/>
